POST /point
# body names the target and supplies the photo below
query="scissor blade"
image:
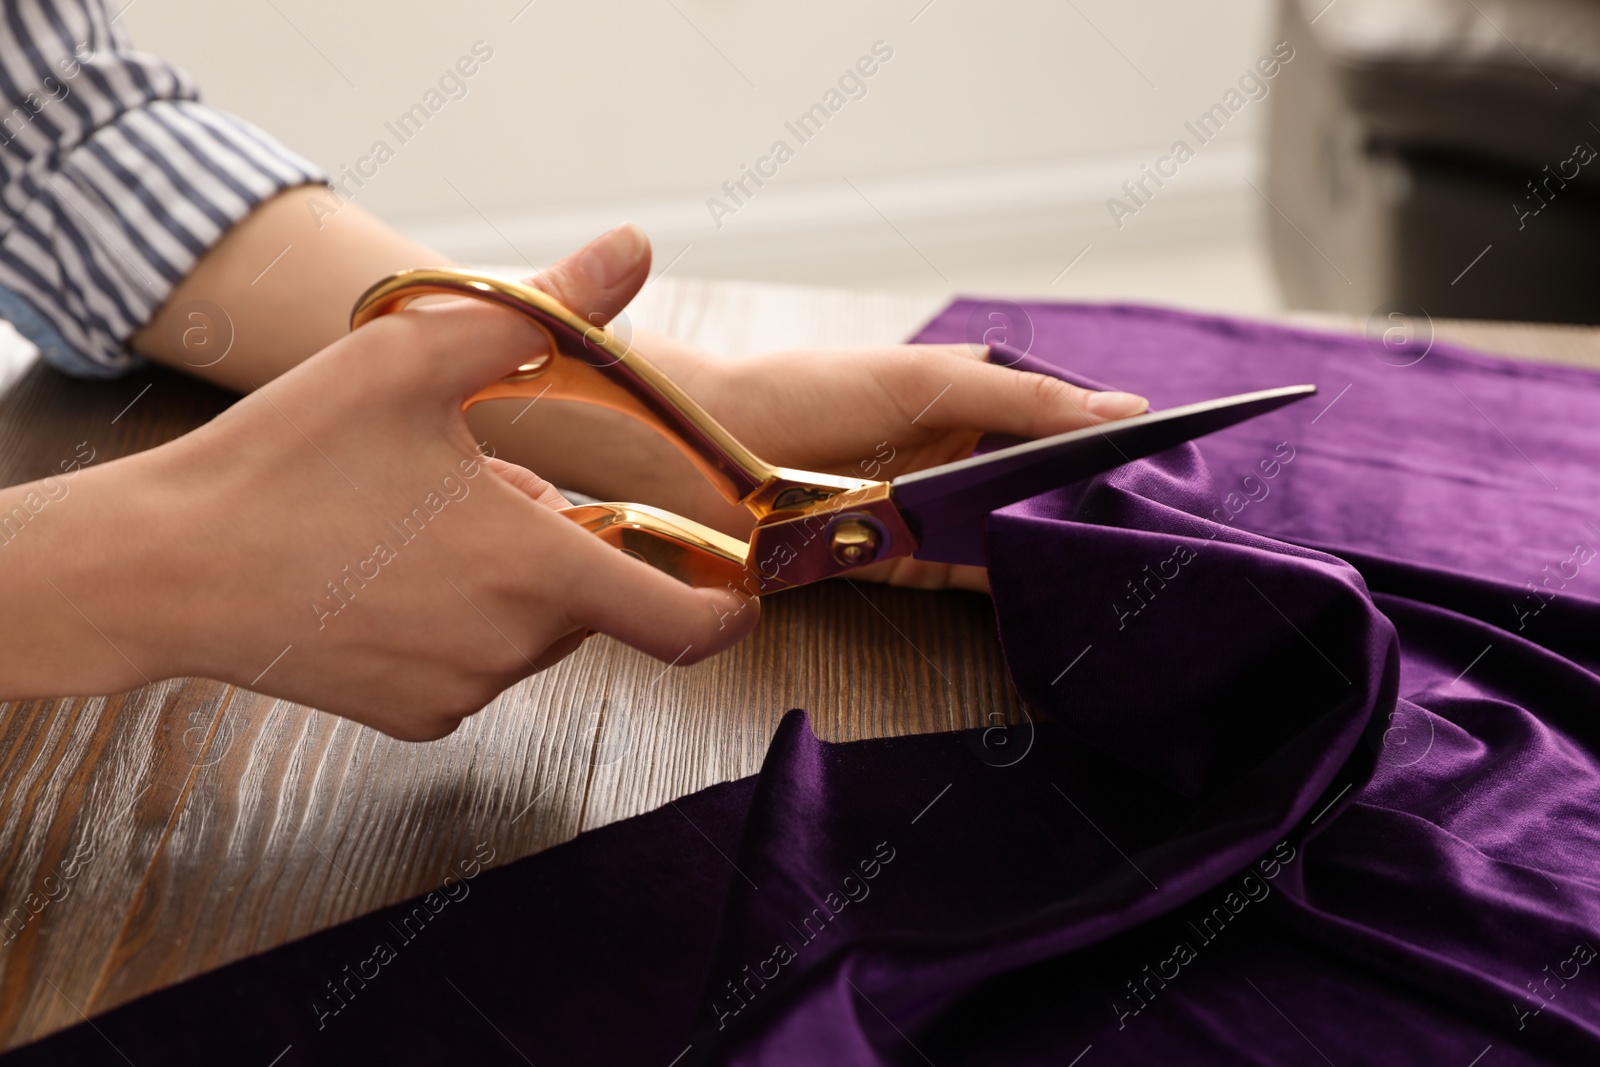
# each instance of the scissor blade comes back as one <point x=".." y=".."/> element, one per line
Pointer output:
<point x="946" y="506"/>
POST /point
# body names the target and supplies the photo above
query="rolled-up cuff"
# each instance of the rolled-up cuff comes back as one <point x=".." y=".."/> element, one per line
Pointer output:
<point x="111" y="230"/>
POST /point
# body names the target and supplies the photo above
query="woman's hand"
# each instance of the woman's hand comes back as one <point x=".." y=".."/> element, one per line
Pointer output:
<point x="870" y="413"/>
<point x="336" y="539"/>
<point x="881" y="412"/>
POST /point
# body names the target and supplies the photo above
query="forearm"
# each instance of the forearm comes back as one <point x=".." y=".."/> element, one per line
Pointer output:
<point x="285" y="278"/>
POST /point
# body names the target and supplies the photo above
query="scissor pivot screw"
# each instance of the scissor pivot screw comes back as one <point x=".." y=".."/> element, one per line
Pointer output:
<point x="855" y="542"/>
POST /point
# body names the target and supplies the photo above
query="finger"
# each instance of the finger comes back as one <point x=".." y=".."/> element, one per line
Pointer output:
<point x="530" y="483"/>
<point x="993" y="399"/>
<point x="599" y="279"/>
<point x="544" y="493"/>
<point x="619" y="595"/>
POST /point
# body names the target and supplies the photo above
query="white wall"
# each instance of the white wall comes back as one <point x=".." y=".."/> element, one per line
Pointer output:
<point x="995" y="133"/>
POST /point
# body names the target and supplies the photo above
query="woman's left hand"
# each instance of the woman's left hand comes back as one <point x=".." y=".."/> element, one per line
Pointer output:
<point x="881" y="412"/>
<point x="868" y="413"/>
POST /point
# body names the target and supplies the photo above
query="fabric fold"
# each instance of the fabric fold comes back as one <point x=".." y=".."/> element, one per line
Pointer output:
<point x="1214" y="715"/>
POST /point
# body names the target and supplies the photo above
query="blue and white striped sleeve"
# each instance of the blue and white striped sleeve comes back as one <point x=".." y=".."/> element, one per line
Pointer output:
<point x="114" y="180"/>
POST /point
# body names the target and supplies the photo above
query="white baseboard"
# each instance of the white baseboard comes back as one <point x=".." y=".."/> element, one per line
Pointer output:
<point x="887" y="228"/>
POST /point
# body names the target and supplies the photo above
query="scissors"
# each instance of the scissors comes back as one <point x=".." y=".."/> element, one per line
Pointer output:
<point x="809" y="526"/>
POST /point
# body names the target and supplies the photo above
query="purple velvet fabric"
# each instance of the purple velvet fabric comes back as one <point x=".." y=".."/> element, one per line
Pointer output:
<point x="1317" y="779"/>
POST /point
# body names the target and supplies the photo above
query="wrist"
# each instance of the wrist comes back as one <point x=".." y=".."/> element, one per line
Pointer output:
<point x="694" y="370"/>
<point x="158" y="561"/>
<point x="716" y="384"/>
<point x="76" y="549"/>
<point x="736" y="394"/>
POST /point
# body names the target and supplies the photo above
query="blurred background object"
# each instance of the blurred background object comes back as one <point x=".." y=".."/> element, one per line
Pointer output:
<point x="1439" y="154"/>
<point x="988" y="149"/>
<point x="980" y="158"/>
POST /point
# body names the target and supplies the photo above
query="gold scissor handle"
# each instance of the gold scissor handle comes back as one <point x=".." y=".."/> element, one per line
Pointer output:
<point x="586" y="363"/>
<point x="688" y="551"/>
<point x="809" y="525"/>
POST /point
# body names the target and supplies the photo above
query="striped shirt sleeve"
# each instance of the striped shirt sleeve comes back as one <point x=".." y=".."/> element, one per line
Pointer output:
<point x="114" y="180"/>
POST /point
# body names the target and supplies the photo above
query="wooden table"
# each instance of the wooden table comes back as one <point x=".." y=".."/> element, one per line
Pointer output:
<point x="189" y="823"/>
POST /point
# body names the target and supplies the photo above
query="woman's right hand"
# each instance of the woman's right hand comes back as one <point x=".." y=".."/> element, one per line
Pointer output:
<point x="339" y="525"/>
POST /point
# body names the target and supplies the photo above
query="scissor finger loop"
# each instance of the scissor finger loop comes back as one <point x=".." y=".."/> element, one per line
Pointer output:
<point x="809" y="525"/>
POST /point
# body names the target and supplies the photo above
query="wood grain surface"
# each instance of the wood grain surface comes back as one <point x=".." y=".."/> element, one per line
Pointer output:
<point x="153" y="835"/>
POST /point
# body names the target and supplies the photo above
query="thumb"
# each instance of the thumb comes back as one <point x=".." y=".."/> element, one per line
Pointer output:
<point x="600" y="278"/>
<point x="465" y="345"/>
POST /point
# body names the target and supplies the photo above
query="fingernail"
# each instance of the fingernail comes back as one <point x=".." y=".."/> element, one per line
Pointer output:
<point x="1110" y="405"/>
<point x="611" y="256"/>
